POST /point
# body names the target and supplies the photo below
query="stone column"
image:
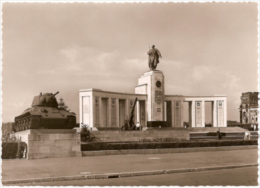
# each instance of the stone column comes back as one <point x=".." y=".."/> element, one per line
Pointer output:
<point x="182" y="113"/>
<point x="190" y="113"/>
<point x="198" y="114"/>
<point x="165" y="111"/>
<point x="127" y="109"/>
<point x="91" y="106"/>
<point x="96" y="111"/>
<point x="117" y="113"/>
<point x="109" y="112"/>
<point x="87" y="111"/>
<point x="177" y="113"/>
<point x="214" y="113"/>
<point x="193" y="121"/>
<point x="145" y="114"/>
<point x="137" y="112"/>
<point x="203" y="113"/>
<point x="173" y="112"/>
<point x="225" y="113"/>
<point x="80" y="109"/>
<point x="221" y="116"/>
<point x="101" y="120"/>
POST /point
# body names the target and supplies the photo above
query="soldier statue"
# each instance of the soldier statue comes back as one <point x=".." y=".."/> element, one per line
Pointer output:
<point x="153" y="59"/>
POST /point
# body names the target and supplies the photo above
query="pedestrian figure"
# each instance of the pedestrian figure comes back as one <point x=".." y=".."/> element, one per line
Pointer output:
<point x="24" y="152"/>
<point x="219" y="134"/>
<point x="138" y="126"/>
<point x="247" y="135"/>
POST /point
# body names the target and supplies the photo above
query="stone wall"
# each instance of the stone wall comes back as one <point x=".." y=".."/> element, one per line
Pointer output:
<point x="51" y="143"/>
<point x="121" y="136"/>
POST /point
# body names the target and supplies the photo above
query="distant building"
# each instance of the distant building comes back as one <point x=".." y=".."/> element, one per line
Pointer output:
<point x="230" y="122"/>
<point x="249" y="108"/>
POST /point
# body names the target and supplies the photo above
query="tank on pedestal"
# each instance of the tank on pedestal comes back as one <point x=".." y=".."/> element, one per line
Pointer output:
<point x="45" y="114"/>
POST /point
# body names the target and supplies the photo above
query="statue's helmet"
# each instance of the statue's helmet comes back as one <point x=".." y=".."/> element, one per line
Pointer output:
<point x="153" y="46"/>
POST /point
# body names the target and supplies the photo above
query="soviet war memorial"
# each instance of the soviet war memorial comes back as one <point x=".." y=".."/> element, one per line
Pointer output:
<point x="129" y="94"/>
<point x="154" y="108"/>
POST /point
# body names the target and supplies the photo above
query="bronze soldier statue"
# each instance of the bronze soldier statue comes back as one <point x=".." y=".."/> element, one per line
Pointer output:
<point x="153" y="59"/>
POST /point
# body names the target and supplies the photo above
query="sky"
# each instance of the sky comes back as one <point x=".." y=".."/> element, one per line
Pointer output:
<point x="207" y="49"/>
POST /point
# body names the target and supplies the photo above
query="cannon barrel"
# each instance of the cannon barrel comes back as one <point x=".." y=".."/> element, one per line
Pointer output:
<point x="133" y="109"/>
<point x="55" y="94"/>
<point x="131" y="120"/>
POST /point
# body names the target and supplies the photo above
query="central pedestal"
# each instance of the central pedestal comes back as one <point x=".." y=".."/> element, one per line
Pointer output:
<point x="152" y="84"/>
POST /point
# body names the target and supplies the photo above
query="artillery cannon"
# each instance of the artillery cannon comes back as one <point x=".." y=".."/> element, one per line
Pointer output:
<point x="45" y="114"/>
<point x="129" y="124"/>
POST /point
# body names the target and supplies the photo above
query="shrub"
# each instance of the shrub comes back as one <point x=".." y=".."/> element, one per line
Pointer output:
<point x="10" y="150"/>
<point x="86" y="135"/>
<point x="159" y="145"/>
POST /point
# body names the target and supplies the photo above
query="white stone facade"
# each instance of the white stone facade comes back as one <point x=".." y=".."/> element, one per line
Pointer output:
<point x="110" y="109"/>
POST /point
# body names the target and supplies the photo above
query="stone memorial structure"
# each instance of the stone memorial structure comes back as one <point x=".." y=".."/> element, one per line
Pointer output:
<point x="248" y="108"/>
<point x="154" y="108"/>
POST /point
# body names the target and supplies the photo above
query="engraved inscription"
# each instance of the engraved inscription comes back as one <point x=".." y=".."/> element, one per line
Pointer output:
<point x="177" y="114"/>
<point x="198" y="114"/>
<point x="220" y="113"/>
<point x="158" y="96"/>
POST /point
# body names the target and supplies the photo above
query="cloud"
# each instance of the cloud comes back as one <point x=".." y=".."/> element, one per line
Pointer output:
<point x="87" y="61"/>
<point x="200" y="73"/>
<point x="69" y="53"/>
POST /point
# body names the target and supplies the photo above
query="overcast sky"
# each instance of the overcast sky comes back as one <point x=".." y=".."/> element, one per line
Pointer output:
<point x="207" y="49"/>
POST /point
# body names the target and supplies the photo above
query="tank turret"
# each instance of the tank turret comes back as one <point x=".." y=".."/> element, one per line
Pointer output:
<point x="47" y="99"/>
<point x="45" y="114"/>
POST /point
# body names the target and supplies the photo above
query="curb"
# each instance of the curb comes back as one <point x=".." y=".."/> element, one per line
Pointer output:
<point x="124" y="174"/>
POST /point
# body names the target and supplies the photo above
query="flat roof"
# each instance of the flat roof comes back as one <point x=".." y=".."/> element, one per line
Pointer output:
<point x="121" y="93"/>
<point x="111" y="92"/>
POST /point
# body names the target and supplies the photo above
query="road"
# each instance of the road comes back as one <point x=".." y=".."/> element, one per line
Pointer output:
<point x="56" y="167"/>
<point x="235" y="177"/>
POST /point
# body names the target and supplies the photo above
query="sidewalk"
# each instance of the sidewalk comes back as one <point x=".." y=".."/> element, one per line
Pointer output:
<point x="42" y="168"/>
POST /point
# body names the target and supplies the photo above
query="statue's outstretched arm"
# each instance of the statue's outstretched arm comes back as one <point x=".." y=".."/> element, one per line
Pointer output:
<point x="159" y="53"/>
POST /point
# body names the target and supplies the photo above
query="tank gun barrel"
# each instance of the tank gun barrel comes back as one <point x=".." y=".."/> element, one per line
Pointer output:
<point x="55" y="94"/>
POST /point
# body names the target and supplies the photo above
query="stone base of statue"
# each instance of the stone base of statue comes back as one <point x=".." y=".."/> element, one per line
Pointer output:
<point x="160" y="124"/>
<point x="51" y="143"/>
<point x="152" y="84"/>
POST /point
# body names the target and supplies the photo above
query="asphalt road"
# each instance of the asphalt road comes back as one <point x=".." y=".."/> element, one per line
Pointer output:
<point x="234" y="177"/>
<point x="55" y="167"/>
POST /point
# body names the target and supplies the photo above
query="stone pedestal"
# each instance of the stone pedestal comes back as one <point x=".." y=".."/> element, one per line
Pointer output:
<point x="51" y="143"/>
<point x="152" y="84"/>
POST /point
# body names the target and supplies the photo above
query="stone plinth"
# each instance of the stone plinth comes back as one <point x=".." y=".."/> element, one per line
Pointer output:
<point x="152" y="84"/>
<point x="51" y="143"/>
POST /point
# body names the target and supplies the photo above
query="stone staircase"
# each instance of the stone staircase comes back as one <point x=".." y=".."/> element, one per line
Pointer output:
<point x="214" y="129"/>
<point x="227" y="133"/>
